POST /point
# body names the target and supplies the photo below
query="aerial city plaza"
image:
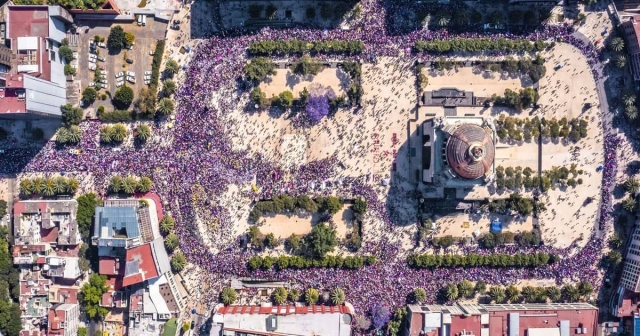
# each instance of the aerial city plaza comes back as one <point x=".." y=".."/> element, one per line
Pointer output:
<point x="326" y="167"/>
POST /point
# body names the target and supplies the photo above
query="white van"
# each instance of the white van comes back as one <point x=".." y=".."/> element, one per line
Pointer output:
<point x="144" y="20"/>
<point x="139" y="20"/>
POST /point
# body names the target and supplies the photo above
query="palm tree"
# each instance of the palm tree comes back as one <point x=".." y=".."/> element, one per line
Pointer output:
<point x="26" y="187"/>
<point x="419" y="294"/>
<point x="631" y="111"/>
<point x="337" y="296"/>
<point x="228" y="295"/>
<point x="71" y="185"/>
<point x="171" y="67"/>
<point x="629" y="99"/>
<point x="129" y="184"/>
<point x="145" y="184"/>
<point x="106" y="134"/>
<point x="38" y="185"/>
<point x="512" y="294"/>
<point x="62" y="136"/>
<point x="119" y="132"/>
<point x="530" y="294"/>
<point x="311" y="296"/>
<point x="166" y="106"/>
<point x="461" y="18"/>
<point x="279" y="295"/>
<point x="554" y="293"/>
<point x="294" y="294"/>
<point x="171" y="242"/>
<point x="166" y="224"/>
<point x="60" y="185"/>
<point x="631" y="185"/>
<point x="497" y="294"/>
<point x="451" y="292"/>
<point x="621" y="61"/>
<point x="74" y="134"/>
<point x="570" y="293"/>
<point x="443" y="18"/>
<point x="143" y="132"/>
<point x="616" y="241"/>
<point x="617" y="44"/>
<point x="585" y="289"/>
<point x="465" y="288"/>
<point x="49" y="187"/>
<point x="178" y="262"/>
<point x="115" y="183"/>
<point x="629" y="204"/>
<point x="168" y="87"/>
<point x="614" y="257"/>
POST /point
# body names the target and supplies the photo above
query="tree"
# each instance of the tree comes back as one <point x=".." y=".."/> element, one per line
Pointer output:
<point x="59" y="185"/>
<point x="306" y="203"/>
<point x="178" y="262"/>
<point x="380" y="315"/>
<point x="168" y="87"/>
<point x="106" y="133"/>
<point x="553" y="293"/>
<point x="360" y="205"/>
<point x="512" y="294"/>
<point x="294" y="294"/>
<point x="317" y="107"/>
<point x="71" y="115"/>
<point x="171" y="67"/>
<point x="185" y="327"/>
<point x="419" y="294"/>
<point x="285" y="99"/>
<point x="117" y="38"/>
<point x="228" y="295"/>
<point x="337" y="296"/>
<point x="629" y="99"/>
<point x="146" y="101"/>
<point x="614" y="257"/>
<point x="166" y="224"/>
<point x="144" y="185"/>
<point x="143" y="133"/>
<point x="91" y="296"/>
<point x="129" y="38"/>
<point x="82" y="331"/>
<point x="497" y="294"/>
<point x="86" y="211"/>
<point x="450" y="292"/>
<point x="480" y="287"/>
<point x="166" y="106"/>
<point x="49" y="187"/>
<point x="629" y="204"/>
<point x="632" y="185"/>
<point x="311" y="296"/>
<point x="66" y="53"/>
<point x="616" y="44"/>
<point x="26" y="187"/>
<point x="320" y="240"/>
<point x="570" y="293"/>
<point x="89" y="95"/>
<point x="305" y="66"/>
<point x="631" y="111"/>
<point x="171" y="242"/>
<point x="621" y="61"/>
<point x="465" y="288"/>
<point x="259" y="97"/>
<point x="129" y="185"/>
<point x="115" y="184"/>
<point x="3" y="208"/>
<point x="123" y="97"/>
<point x="279" y="295"/>
<point x="118" y="132"/>
<point x="616" y="241"/>
<point x="585" y="289"/>
<point x="530" y="294"/>
<point x="258" y="69"/>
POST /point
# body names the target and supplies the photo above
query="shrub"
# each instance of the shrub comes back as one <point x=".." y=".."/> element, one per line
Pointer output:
<point x="478" y="260"/>
<point x="305" y="66"/>
<point x="123" y="97"/>
<point x="115" y="115"/>
<point x="69" y="70"/>
<point x="155" y="64"/>
<point x="258" y="69"/>
<point x="66" y="53"/>
<point x="89" y="95"/>
<point x="295" y="46"/>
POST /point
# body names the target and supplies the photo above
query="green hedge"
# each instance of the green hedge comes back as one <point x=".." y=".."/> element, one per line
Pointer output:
<point x="155" y="64"/>
<point x="479" y="44"/>
<point x="282" y="47"/>
<point x="116" y="116"/>
<point x="497" y="260"/>
<point x="298" y="262"/>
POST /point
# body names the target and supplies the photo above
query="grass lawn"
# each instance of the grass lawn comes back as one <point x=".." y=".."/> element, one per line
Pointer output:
<point x="170" y="327"/>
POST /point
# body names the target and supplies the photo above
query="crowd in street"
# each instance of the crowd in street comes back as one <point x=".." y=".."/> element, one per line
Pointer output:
<point x="201" y="155"/>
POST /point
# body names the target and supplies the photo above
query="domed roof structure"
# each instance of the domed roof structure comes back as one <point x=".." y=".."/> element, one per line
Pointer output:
<point x="470" y="151"/>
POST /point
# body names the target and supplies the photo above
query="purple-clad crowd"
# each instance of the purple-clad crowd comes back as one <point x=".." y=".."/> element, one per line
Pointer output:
<point x="201" y="155"/>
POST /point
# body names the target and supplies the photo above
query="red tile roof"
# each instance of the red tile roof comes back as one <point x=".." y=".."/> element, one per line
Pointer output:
<point x="32" y="21"/>
<point x="147" y="268"/>
<point x="283" y="310"/>
<point x="108" y="266"/>
<point x="67" y="295"/>
<point x="55" y="317"/>
<point x="135" y="302"/>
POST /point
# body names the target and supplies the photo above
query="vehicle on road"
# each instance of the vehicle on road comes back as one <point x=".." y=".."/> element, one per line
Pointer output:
<point x="151" y="53"/>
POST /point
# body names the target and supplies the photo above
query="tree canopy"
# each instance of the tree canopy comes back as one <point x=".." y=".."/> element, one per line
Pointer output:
<point x="86" y="211"/>
<point x="123" y="97"/>
<point x="89" y="95"/>
<point x="320" y="240"/>
<point x="258" y="69"/>
<point x="91" y="295"/>
<point x="71" y="115"/>
<point x="117" y="38"/>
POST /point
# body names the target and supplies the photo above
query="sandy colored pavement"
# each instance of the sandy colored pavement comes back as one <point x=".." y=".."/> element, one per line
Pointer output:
<point x="283" y="226"/>
<point x="284" y="80"/>
<point x="482" y="84"/>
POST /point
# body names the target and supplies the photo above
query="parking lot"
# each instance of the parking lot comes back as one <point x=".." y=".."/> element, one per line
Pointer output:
<point x="114" y="60"/>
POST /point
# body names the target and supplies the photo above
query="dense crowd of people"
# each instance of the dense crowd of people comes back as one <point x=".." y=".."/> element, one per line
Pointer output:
<point x="201" y="155"/>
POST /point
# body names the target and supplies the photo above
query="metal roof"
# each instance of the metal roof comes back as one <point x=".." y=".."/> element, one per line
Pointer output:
<point x="111" y="221"/>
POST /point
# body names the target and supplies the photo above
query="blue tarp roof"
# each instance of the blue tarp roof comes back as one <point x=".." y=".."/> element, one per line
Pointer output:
<point x="496" y="227"/>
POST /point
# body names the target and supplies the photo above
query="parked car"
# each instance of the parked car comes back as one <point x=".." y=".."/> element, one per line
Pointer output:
<point x="131" y="80"/>
<point x="128" y="60"/>
<point x="92" y="61"/>
<point x="92" y="66"/>
<point x="102" y="45"/>
<point x="92" y="84"/>
<point x="147" y="77"/>
<point x="151" y="53"/>
<point x="93" y="56"/>
<point x="103" y="81"/>
<point x="131" y="74"/>
<point x="120" y="74"/>
<point x="101" y="67"/>
<point x="147" y="82"/>
<point x="104" y="72"/>
<point x="103" y="75"/>
<point x="128" y="47"/>
<point x="148" y="73"/>
<point x="119" y="83"/>
<point x="176" y="21"/>
<point x="102" y="59"/>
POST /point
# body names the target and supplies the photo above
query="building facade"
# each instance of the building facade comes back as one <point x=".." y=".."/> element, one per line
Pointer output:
<point x="632" y="37"/>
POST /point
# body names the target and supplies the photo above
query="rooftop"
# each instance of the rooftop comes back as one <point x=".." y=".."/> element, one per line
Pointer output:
<point x="109" y="266"/>
<point x="115" y="225"/>
<point x="140" y="265"/>
<point x="49" y="221"/>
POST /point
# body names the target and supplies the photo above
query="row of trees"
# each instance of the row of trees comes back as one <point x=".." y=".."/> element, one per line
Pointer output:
<point x="305" y="65"/>
<point x="569" y="293"/>
<point x="281" y="295"/>
<point x="518" y="129"/>
<point x="515" y="202"/>
<point x="129" y="184"/>
<point x="479" y="45"/>
<point x="514" y="178"/>
<point x="316" y="244"/>
<point x="68" y="135"/>
<point x="287" y="204"/>
<point x="354" y="238"/>
<point x="524" y="238"/>
<point x="49" y="186"/>
<point x="299" y="262"/>
<point x="113" y="133"/>
<point x="497" y="260"/>
<point x="87" y="204"/>
<point x="525" y="98"/>
<point x="10" y="313"/>
<point x="299" y="47"/>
